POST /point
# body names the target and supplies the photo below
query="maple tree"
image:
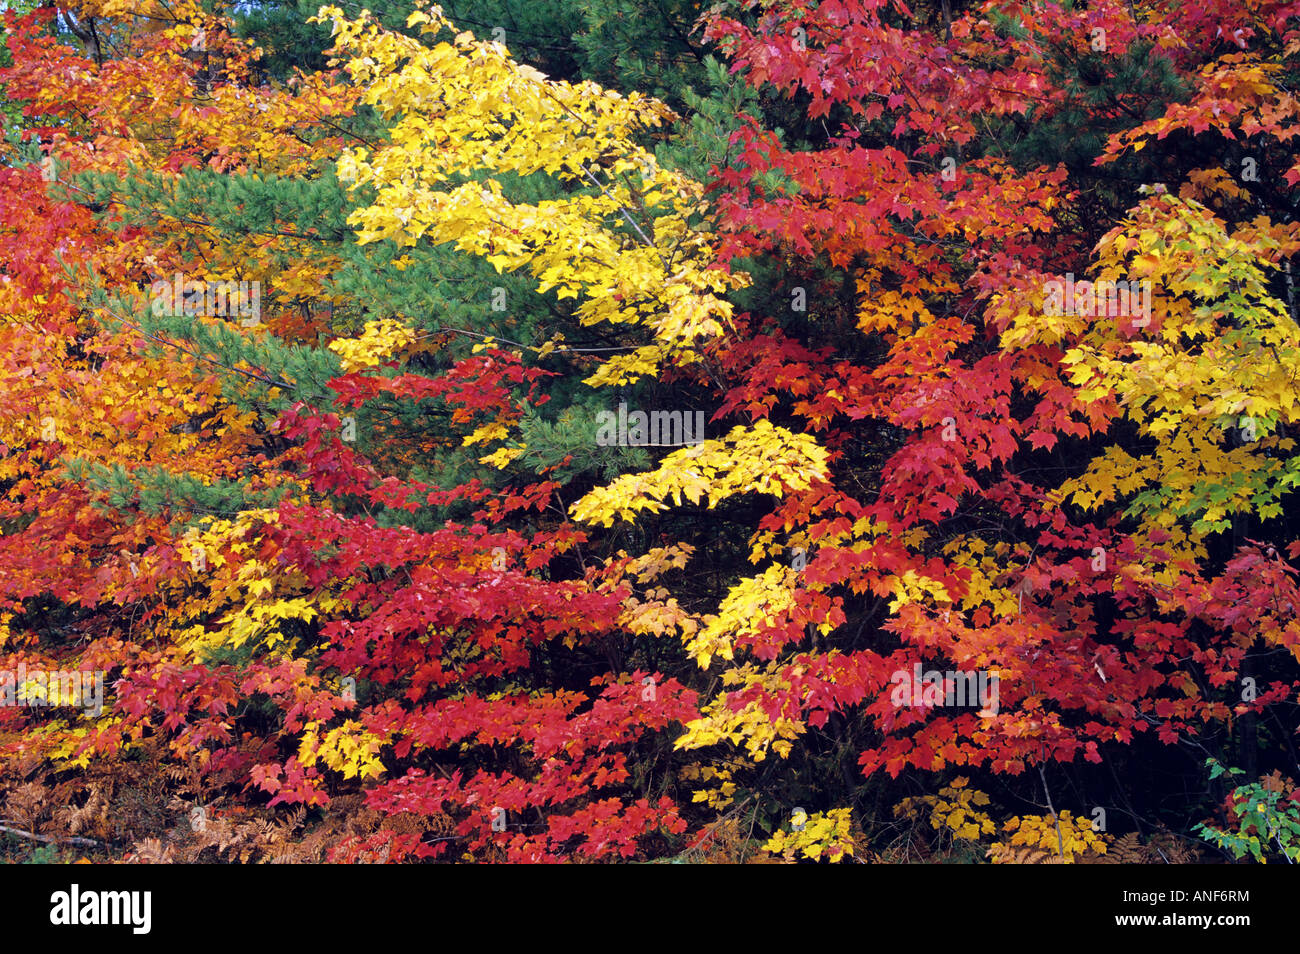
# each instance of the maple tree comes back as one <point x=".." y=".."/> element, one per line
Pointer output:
<point x="1087" y="612"/>
<point x="990" y="310"/>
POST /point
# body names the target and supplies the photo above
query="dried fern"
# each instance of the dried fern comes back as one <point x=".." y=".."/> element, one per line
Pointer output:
<point x="1001" y="854"/>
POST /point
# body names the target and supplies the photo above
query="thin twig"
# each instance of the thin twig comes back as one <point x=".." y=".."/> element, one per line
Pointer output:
<point x="71" y="839"/>
<point x="1060" y="843"/>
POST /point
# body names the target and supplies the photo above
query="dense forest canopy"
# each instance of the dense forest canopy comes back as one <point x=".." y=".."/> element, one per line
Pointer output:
<point x="523" y="430"/>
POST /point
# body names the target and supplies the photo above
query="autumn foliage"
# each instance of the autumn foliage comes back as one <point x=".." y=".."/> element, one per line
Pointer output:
<point x="990" y="309"/>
